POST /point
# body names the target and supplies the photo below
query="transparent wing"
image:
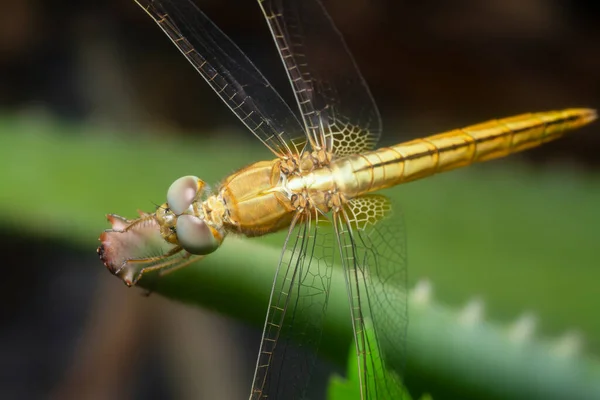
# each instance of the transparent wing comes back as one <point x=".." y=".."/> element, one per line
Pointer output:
<point x="302" y="282"/>
<point x="230" y="73"/>
<point x="373" y="250"/>
<point x="133" y="248"/>
<point x="337" y="108"/>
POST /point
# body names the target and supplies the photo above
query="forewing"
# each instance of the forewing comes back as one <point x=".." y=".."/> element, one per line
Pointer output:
<point x="229" y="72"/>
<point x="338" y="110"/>
<point x="373" y="250"/>
<point x="302" y="282"/>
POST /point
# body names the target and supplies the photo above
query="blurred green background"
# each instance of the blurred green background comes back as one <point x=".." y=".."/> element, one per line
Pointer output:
<point x="100" y="113"/>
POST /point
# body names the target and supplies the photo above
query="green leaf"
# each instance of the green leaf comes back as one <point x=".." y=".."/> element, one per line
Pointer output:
<point x="522" y="239"/>
<point x="341" y="388"/>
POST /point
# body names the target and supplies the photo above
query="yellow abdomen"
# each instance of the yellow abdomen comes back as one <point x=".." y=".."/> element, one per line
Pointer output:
<point x="419" y="158"/>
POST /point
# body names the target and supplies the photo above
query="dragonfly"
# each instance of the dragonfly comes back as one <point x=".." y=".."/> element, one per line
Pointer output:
<point x="319" y="188"/>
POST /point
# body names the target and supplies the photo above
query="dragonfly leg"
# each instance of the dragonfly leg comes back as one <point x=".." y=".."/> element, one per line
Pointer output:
<point x="163" y="261"/>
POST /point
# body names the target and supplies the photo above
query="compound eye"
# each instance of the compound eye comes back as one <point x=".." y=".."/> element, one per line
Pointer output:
<point x="195" y="236"/>
<point x="182" y="193"/>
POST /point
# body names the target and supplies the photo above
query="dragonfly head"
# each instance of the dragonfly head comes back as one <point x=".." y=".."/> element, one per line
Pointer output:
<point x="182" y="218"/>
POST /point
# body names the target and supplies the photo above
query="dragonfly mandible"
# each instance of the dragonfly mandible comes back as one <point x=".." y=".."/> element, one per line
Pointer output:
<point x="319" y="187"/>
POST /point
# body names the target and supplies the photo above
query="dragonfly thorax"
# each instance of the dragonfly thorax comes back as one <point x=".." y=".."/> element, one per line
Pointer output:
<point x="310" y="161"/>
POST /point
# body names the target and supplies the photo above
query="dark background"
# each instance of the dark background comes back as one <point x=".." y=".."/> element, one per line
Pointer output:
<point x="427" y="63"/>
<point x="431" y="66"/>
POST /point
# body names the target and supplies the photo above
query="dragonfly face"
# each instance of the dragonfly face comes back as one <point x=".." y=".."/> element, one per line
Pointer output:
<point x="318" y="189"/>
<point x="183" y="219"/>
<point x="179" y="232"/>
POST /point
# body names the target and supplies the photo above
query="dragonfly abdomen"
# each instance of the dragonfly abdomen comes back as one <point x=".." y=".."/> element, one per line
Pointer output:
<point x="420" y="158"/>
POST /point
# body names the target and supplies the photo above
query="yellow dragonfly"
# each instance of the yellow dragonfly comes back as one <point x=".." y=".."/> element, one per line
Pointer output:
<point x="319" y="188"/>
